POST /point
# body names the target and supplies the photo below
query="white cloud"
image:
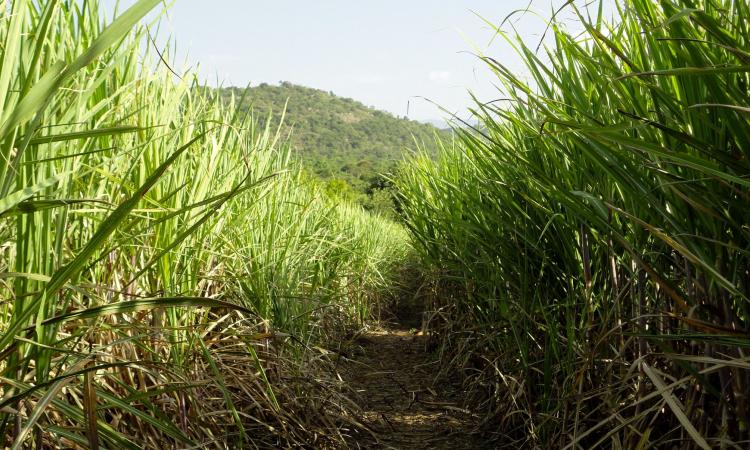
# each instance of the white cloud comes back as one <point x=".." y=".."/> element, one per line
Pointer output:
<point x="440" y="76"/>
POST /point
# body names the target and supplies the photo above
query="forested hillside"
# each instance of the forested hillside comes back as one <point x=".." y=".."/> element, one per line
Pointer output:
<point x="340" y="140"/>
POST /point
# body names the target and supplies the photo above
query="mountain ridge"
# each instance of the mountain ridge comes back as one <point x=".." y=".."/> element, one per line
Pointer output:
<point x="338" y="139"/>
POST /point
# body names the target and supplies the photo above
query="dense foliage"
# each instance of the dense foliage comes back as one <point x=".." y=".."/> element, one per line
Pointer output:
<point x="339" y="140"/>
<point x="169" y="278"/>
<point x="164" y="271"/>
<point x="591" y="236"/>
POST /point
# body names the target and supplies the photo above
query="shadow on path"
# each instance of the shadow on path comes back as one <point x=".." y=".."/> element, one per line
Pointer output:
<point x="403" y="405"/>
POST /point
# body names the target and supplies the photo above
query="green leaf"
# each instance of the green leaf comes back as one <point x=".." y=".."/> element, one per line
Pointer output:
<point x="87" y="134"/>
<point x="12" y="200"/>
<point x="143" y="305"/>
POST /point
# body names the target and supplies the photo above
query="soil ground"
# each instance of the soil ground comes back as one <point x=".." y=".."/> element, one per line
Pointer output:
<point x="404" y="405"/>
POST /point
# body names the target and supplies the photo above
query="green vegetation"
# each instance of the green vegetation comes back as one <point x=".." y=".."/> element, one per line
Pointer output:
<point x="341" y="141"/>
<point x="591" y="239"/>
<point x="164" y="271"/>
<point x="170" y="275"/>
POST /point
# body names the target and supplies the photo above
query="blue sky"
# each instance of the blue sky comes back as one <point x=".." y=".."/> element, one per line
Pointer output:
<point x="384" y="53"/>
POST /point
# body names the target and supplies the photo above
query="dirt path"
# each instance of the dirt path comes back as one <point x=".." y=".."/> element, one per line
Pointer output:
<point x="395" y="378"/>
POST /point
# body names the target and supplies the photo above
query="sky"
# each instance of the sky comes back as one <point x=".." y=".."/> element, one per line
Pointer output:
<point x="409" y="57"/>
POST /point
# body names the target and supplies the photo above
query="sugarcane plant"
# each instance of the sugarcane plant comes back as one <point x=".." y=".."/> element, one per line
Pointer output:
<point x="590" y="233"/>
<point x="164" y="265"/>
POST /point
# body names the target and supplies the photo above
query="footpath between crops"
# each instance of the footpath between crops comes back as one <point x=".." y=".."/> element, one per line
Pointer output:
<point x="393" y="374"/>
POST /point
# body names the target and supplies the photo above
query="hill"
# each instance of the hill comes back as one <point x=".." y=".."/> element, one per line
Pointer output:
<point x="340" y="140"/>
